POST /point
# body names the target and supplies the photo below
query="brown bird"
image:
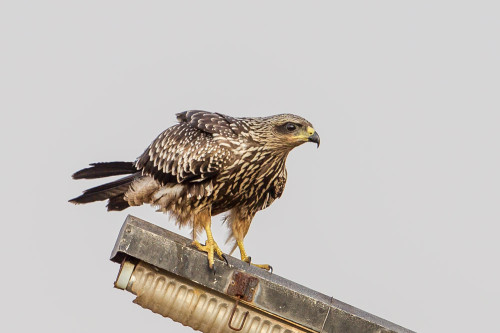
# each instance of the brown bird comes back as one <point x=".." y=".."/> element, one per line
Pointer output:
<point x="207" y="164"/>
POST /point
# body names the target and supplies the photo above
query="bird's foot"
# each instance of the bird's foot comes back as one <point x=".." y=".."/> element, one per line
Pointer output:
<point x="248" y="260"/>
<point x="210" y="248"/>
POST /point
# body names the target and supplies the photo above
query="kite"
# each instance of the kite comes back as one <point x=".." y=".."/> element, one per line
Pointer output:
<point x="205" y="165"/>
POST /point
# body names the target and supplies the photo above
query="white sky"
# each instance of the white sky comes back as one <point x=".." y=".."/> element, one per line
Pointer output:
<point x="397" y="212"/>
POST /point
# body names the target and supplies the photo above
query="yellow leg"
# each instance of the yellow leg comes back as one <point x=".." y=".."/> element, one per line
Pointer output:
<point x="248" y="259"/>
<point x="210" y="246"/>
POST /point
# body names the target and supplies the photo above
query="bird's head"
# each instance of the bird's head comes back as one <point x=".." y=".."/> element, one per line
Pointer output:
<point x="288" y="131"/>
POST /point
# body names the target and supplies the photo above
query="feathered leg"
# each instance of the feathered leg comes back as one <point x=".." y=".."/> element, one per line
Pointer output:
<point x="204" y="219"/>
<point x="240" y="223"/>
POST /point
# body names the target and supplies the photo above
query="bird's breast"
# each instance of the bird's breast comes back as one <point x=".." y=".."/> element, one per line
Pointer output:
<point x="252" y="181"/>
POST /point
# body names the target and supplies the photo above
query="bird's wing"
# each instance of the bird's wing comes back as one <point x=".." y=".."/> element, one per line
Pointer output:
<point x="212" y="123"/>
<point x="185" y="153"/>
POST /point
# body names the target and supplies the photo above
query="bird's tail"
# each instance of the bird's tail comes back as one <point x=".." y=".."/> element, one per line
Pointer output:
<point x="105" y="169"/>
<point x="113" y="191"/>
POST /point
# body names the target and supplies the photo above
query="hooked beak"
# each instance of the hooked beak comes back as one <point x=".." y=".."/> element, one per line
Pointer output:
<point x="314" y="138"/>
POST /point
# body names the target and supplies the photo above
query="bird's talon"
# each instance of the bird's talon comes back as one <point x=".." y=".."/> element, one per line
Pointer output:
<point x="225" y="258"/>
<point x="248" y="260"/>
<point x="210" y="247"/>
<point x="264" y="266"/>
<point x="198" y="245"/>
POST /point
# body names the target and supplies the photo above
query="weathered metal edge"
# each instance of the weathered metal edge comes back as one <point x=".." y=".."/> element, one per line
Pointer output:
<point x="276" y="295"/>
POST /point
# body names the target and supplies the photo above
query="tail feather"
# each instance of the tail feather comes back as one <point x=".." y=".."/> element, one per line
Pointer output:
<point x="105" y="191"/>
<point x="105" y="169"/>
<point x="117" y="203"/>
<point x="114" y="191"/>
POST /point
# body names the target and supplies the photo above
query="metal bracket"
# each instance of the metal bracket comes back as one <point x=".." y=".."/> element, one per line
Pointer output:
<point x="242" y="286"/>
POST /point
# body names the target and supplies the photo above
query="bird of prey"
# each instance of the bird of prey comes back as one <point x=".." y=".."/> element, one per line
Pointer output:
<point x="207" y="164"/>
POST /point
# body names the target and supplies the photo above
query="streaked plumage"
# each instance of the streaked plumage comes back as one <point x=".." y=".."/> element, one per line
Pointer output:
<point x="207" y="164"/>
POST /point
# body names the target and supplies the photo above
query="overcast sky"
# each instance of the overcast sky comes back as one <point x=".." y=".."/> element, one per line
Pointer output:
<point x="397" y="213"/>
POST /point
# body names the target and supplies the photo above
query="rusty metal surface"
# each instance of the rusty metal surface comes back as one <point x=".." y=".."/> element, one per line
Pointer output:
<point x="275" y="295"/>
<point x="242" y="286"/>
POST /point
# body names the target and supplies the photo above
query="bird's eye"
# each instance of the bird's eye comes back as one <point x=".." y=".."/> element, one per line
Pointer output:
<point x="290" y="127"/>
